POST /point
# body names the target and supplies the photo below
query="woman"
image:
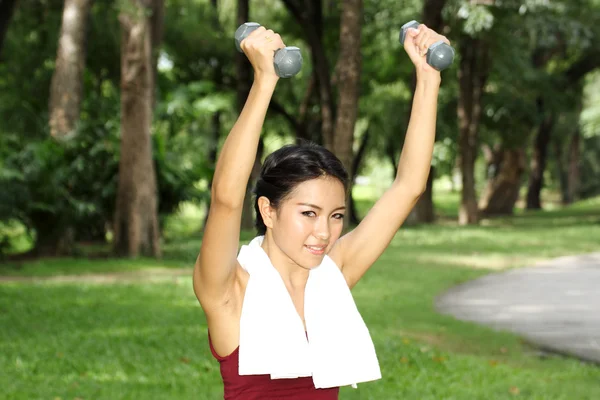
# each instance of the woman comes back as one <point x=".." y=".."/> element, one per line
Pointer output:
<point x="268" y="346"/>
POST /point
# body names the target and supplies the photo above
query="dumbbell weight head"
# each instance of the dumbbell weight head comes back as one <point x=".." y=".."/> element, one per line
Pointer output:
<point x="439" y="55"/>
<point x="411" y="24"/>
<point x="242" y="33"/>
<point x="287" y="61"/>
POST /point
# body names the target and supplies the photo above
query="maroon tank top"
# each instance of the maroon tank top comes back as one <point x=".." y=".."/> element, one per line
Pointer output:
<point x="262" y="387"/>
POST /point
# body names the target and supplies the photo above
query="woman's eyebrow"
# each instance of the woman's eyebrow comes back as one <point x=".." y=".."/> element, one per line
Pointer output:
<point x="320" y="208"/>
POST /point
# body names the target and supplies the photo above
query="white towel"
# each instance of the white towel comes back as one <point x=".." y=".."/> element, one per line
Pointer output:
<point x="339" y="350"/>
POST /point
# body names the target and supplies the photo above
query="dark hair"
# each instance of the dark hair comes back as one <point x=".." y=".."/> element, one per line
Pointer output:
<point x="289" y="166"/>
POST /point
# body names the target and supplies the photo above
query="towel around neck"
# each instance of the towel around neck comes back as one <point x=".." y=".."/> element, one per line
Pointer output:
<point x="336" y="349"/>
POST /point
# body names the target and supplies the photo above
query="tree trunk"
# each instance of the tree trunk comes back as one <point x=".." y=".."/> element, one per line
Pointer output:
<point x="502" y="189"/>
<point x="215" y="131"/>
<point x="561" y="171"/>
<point x="7" y="8"/>
<point x="424" y="211"/>
<point x="472" y="75"/>
<point x="212" y="154"/>
<point x="244" y="82"/>
<point x="390" y="151"/>
<point x="573" y="180"/>
<point x="136" y="218"/>
<point x="348" y="71"/>
<point x="64" y="108"/>
<point x="67" y="80"/>
<point x="569" y="173"/>
<point x="248" y="206"/>
<point x="538" y="158"/>
<point x="302" y="133"/>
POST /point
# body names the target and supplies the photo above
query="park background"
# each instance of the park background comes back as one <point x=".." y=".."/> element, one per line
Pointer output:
<point x="112" y="114"/>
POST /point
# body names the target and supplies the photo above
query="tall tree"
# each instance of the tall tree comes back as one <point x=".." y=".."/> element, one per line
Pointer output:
<point x="244" y="79"/>
<point x="215" y="128"/>
<point x="573" y="175"/>
<point x="136" y="225"/>
<point x="348" y="72"/>
<point x="473" y="71"/>
<point x="67" y="81"/>
<point x="66" y="94"/>
<point x="539" y="155"/>
<point x="432" y="18"/>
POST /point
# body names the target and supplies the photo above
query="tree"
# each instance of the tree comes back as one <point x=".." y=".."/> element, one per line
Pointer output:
<point x="67" y="81"/>
<point x="6" y="10"/>
<point x="472" y="75"/>
<point x="348" y="72"/>
<point x="432" y="17"/>
<point x="244" y="79"/>
<point x="568" y="80"/>
<point x="136" y="227"/>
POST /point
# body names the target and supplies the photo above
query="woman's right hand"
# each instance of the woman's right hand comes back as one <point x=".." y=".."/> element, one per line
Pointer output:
<point x="260" y="47"/>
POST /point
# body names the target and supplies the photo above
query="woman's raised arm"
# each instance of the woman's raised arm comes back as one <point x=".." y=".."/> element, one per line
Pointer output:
<point x="216" y="264"/>
<point x="359" y="249"/>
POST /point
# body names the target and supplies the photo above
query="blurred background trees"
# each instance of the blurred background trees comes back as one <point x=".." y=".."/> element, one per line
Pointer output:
<point x="112" y="112"/>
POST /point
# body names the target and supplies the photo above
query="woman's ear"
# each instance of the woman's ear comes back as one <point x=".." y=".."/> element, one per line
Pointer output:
<point x="267" y="212"/>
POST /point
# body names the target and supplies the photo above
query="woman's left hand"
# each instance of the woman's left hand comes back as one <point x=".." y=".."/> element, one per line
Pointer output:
<point x="417" y="43"/>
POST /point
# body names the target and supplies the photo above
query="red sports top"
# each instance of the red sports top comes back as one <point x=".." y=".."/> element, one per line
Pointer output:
<point x="262" y="387"/>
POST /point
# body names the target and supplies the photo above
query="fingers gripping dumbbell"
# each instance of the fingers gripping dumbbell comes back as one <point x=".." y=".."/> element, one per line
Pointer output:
<point x="287" y="61"/>
<point x="439" y="55"/>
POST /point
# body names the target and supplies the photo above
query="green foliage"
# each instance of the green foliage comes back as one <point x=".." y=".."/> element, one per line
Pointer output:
<point x="590" y="116"/>
<point x="29" y="51"/>
<point x="75" y="183"/>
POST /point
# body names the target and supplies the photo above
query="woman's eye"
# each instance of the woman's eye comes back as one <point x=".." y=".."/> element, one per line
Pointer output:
<point x="338" y="216"/>
<point x="308" y="213"/>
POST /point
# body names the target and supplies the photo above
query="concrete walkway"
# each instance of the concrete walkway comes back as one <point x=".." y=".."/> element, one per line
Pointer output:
<point x="555" y="304"/>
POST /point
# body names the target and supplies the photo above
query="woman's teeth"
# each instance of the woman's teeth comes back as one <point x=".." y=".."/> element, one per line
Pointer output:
<point x="316" y="249"/>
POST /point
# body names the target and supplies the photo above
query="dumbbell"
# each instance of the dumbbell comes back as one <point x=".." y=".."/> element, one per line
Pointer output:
<point x="287" y="61"/>
<point x="439" y="55"/>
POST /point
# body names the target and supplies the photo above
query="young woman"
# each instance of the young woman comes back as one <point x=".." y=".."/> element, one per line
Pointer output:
<point x="278" y="317"/>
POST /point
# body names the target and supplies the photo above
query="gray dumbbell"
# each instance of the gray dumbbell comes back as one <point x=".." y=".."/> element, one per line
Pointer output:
<point x="439" y="55"/>
<point x="287" y="61"/>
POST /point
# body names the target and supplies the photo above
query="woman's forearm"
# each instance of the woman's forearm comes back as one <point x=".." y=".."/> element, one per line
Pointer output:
<point x="237" y="156"/>
<point x="415" y="160"/>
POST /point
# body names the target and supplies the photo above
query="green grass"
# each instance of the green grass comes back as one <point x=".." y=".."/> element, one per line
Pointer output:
<point x="148" y="340"/>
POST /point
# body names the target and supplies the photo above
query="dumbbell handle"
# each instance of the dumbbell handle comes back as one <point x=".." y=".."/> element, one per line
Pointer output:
<point x="439" y="55"/>
<point x="287" y="61"/>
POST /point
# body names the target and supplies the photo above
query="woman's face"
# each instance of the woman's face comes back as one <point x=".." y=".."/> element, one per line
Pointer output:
<point x="309" y="222"/>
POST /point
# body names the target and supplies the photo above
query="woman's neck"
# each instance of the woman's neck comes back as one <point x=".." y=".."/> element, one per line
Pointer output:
<point x="292" y="274"/>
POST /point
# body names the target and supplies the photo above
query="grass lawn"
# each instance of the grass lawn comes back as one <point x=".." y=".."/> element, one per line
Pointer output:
<point x="141" y="340"/>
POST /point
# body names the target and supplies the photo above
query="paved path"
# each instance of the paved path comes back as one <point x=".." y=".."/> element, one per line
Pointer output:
<point x="555" y="304"/>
